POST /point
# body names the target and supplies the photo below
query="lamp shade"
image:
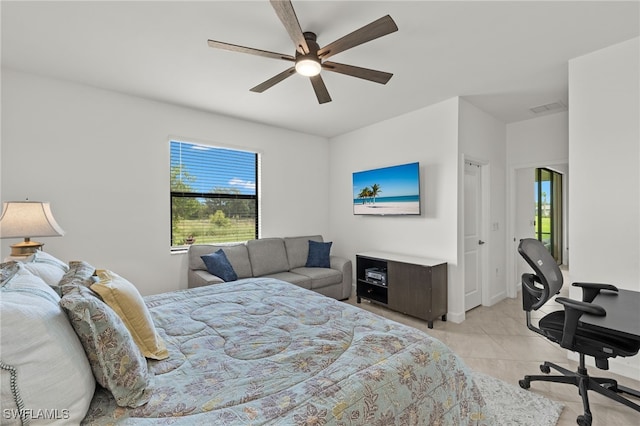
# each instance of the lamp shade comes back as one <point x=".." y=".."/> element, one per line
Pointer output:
<point x="26" y="219"/>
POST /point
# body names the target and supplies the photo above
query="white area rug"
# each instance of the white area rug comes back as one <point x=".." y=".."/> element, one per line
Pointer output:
<point x="513" y="405"/>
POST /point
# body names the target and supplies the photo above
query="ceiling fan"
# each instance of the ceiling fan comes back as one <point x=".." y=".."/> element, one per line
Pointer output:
<point x="310" y="58"/>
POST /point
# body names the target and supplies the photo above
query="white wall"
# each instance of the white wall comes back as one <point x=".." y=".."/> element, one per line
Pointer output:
<point x="429" y="136"/>
<point x="438" y="137"/>
<point x="538" y="142"/>
<point x="102" y="160"/>
<point x="604" y="155"/>
<point x="482" y="138"/>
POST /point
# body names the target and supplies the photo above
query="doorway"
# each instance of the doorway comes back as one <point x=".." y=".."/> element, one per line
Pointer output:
<point x="522" y="216"/>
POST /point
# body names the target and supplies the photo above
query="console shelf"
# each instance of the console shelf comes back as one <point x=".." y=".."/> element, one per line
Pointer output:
<point x="415" y="286"/>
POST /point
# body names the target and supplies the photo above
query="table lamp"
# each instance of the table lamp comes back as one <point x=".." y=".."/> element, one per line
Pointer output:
<point x="26" y="219"/>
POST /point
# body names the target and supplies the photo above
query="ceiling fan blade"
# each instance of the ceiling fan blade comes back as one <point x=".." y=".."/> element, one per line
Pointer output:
<point x="286" y="13"/>
<point x="273" y="80"/>
<point x="250" y="50"/>
<point x="372" y="31"/>
<point x="321" y="90"/>
<point x="364" y="73"/>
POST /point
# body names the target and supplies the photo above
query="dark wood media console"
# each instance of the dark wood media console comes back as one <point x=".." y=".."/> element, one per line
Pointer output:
<point x="412" y="285"/>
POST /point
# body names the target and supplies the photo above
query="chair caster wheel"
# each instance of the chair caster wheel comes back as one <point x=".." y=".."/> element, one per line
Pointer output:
<point x="584" y="420"/>
<point x="545" y="368"/>
<point x="524" y="383"/>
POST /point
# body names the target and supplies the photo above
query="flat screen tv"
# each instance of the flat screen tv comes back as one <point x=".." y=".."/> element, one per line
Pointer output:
<point x="391" y="190"/>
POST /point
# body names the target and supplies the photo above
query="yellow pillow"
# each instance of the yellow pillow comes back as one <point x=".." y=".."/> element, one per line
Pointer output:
<point x="125" y="300"/>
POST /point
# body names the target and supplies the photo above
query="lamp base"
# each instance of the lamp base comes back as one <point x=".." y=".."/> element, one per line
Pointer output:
<point x="25" y="248"/>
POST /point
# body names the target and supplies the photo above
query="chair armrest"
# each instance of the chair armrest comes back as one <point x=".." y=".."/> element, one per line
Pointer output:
<point x="533" y="296"/>
<point x="591" y="290"/>
<point x="583" y="307"/>
<point x="573" y="310"/>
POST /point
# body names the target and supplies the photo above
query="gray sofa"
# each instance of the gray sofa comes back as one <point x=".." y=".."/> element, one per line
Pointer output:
<point x="281" y="258"/>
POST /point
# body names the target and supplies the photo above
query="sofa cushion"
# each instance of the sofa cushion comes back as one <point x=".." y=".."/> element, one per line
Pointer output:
<point x="298" y="249"/>
<point x="303" y="281"/>
<point x="267" y="256"/>
<point x="320" y="277"/>
<point x="237" y="255"/>
<point x="319" y="255"/>
<point x="218" y="264"/>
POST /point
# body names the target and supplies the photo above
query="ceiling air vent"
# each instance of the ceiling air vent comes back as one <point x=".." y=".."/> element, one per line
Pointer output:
<point x="552" y="107"/>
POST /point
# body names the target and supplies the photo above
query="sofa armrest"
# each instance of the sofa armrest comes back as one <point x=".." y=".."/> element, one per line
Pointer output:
<point x="338" y="263"/>
<point x="199" y="278"/>
<point x="343" y="265"/>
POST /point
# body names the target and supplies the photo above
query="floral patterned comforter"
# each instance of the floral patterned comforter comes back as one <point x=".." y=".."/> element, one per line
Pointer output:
<point x="265" y="352"/>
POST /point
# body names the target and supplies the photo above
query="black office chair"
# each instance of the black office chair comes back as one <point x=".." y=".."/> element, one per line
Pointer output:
<point x="563" y="327"/>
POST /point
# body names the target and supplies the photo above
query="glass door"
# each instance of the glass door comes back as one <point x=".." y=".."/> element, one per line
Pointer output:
<point x="548" y="201"/>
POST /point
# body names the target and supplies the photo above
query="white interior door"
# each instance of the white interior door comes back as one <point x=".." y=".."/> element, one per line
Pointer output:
<point x="473" y="241"/>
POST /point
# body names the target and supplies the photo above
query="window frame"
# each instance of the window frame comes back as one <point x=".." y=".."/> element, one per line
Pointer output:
<point x="213" y="195"/>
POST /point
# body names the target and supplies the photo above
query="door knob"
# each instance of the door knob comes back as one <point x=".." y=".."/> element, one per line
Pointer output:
<point x="480" y="242"/>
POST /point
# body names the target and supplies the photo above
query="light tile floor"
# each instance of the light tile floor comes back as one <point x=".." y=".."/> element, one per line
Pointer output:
<point x="496" y="341"/>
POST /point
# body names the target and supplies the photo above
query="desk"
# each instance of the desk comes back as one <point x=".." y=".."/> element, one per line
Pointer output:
<point x="623" y="314"/>
<point x="623" y="320"/>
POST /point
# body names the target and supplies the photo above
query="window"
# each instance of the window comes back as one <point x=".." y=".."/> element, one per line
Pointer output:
<point x="214" y="194"/>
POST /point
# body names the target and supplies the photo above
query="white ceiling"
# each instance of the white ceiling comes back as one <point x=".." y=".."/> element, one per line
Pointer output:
<point x="504" y="56"/>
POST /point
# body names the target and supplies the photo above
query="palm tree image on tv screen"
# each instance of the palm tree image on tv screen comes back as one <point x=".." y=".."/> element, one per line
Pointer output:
<point x="393" y="190"/>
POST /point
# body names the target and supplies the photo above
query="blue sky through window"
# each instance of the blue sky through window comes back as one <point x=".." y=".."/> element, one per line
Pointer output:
<point x="546" y="189"/>
<point x="213" y="167"/>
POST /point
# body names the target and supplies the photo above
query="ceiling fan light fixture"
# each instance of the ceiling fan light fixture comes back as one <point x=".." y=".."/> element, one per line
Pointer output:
<point x="310" y="59"/>
<point x="308" y="66"/>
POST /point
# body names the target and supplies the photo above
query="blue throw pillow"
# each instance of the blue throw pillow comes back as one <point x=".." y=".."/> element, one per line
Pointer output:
<point x="318" y="255"/>
<point x="218" y="265"/>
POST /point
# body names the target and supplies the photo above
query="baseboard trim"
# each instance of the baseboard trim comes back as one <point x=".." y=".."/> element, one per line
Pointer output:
<point x="497" y="298"/>
<point x="456" y="317"/>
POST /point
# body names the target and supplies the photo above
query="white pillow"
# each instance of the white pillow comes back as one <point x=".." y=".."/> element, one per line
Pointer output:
<point x="47" y="267"/>
<point x="53" y="379"/>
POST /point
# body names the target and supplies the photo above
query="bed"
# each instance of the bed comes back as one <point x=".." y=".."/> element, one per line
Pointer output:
<point x="262" y="351"/>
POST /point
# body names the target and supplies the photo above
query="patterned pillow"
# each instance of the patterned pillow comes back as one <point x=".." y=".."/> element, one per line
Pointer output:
<point x="124" y="298"/>
<point x="47" y="267"/>
<point x="79" y="273"/>
<point x="7" y="271"/>
<point x="115" y="359"/>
